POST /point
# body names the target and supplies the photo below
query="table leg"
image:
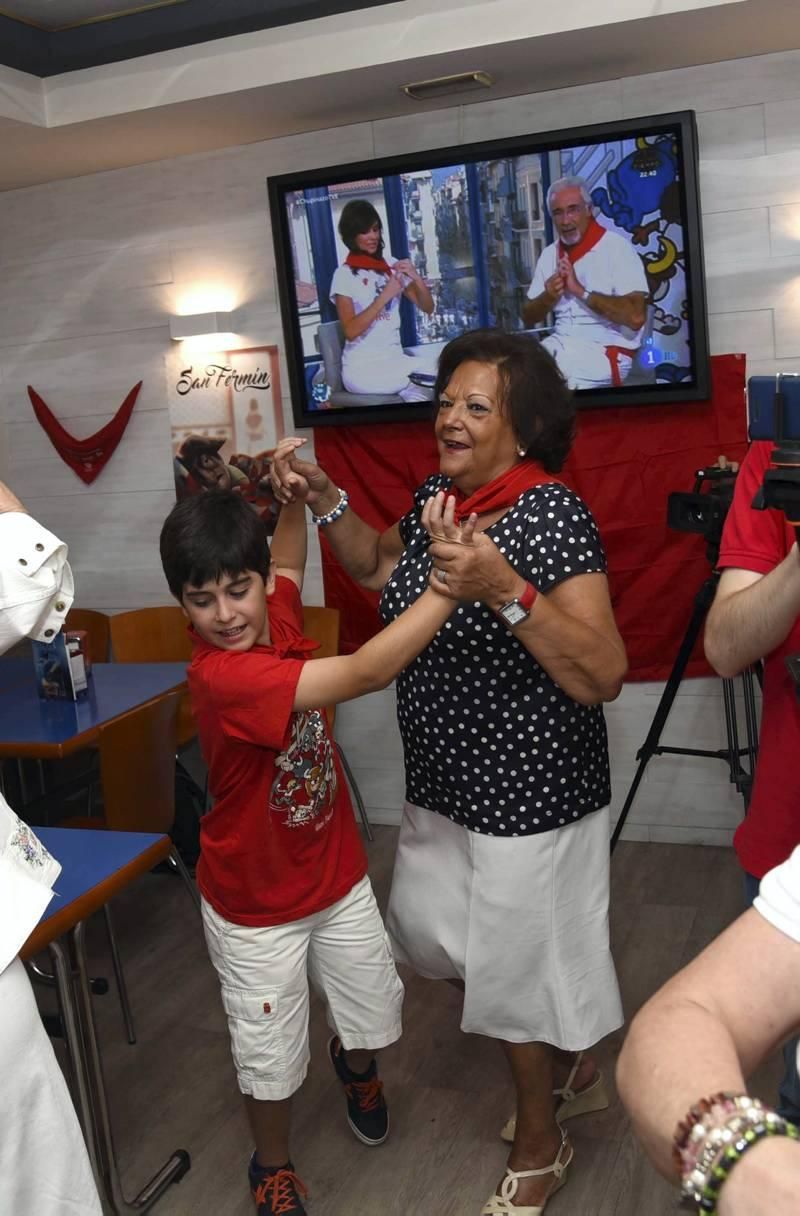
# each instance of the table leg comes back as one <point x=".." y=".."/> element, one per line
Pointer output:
<point x="174" y="1168"/>
<point x="70" y="1020"/>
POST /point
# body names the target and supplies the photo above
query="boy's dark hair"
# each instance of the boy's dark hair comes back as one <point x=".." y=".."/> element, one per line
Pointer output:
<point x="209" y="535"/>
<point x="535" y="395"/>
<point x="357" y="217"/>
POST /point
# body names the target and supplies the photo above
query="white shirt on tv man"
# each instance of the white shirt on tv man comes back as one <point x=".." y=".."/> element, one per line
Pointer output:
<point x="594" y="284"/>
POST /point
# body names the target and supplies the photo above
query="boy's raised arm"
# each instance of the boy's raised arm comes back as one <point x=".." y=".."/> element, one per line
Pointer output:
<point x="290" y="542"/>
<point x="328" y="681"/>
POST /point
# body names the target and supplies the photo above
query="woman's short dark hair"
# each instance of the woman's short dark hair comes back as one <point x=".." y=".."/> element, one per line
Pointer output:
<point x="357" y="217"/>
<point x="207" y="536"/>
<point x="535" y="396"/>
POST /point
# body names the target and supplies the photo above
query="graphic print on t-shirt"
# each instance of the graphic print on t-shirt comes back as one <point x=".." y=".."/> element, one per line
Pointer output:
<point x="305" y="775"/>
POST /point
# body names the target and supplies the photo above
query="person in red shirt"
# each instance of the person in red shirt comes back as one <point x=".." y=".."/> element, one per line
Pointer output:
<point x="756" y="614"/>
<point x="282" y="870"/>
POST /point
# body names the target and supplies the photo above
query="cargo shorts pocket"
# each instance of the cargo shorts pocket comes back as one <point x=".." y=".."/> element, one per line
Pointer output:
<point x="255" y="1030"/>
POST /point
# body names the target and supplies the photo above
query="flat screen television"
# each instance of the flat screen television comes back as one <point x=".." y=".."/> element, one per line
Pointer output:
<point x="589" y="238"/>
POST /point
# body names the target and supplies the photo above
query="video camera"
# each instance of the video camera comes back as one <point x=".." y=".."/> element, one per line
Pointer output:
<point x="774" y="403"/>
<point x="703" y="510"/>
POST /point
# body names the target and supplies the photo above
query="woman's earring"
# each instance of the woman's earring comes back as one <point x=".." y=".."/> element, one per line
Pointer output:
<point x="522" y="451"/>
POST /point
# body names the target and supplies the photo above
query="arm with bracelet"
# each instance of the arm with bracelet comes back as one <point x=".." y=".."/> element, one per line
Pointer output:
<point x="682" y="1070"/>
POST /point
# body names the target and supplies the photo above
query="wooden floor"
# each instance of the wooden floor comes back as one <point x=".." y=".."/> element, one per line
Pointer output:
<point x="448" y="1092"/>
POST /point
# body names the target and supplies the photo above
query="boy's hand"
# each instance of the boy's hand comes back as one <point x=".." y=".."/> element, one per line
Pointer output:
<point x="293" y="478"/>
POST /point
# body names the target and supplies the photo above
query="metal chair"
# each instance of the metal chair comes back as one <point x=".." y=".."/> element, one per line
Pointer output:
<point x="322" y="624"/>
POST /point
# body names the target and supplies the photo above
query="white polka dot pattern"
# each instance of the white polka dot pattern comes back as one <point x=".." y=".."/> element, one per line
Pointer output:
<point x="489" y="739"/>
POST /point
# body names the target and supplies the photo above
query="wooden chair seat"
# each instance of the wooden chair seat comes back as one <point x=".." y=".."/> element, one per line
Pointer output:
<point x="156" y="635"/>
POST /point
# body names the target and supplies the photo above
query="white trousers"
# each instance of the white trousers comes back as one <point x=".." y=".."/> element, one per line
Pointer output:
<point x="387" y="372"/>
<point x="585" y="364"/>
<point x="44" y="1166"/>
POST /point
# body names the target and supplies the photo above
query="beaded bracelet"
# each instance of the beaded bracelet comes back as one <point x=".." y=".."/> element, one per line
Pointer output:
<point x="339" y="510"/>
<point x="716" y="1134"/>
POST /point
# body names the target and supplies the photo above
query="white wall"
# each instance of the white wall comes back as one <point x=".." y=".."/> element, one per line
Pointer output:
<point x="91" y="268"/>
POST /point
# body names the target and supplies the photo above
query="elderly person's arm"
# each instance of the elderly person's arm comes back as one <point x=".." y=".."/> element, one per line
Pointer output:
<point x="570" y="631"/>
<point x="703" y="1033"/>
<point x="367" y="555"/>
<point x="36" y="587"/>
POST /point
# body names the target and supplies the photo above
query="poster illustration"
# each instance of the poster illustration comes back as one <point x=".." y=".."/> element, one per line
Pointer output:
<point x="226" y="418"/>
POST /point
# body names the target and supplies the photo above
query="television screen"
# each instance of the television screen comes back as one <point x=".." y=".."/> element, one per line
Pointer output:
<point x="589" y="239"/>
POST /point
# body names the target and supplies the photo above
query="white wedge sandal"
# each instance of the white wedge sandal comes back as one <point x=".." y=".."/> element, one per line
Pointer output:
<point x="503" y="1204"/>
<point x="592" y="1097"/>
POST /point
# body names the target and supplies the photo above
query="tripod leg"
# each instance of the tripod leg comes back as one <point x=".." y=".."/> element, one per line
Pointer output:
<point x="702" y="603"/>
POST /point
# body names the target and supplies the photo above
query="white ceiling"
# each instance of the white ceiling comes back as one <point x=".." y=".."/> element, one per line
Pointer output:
<point x="35" y="153"/>
<point x="62" y="14"/>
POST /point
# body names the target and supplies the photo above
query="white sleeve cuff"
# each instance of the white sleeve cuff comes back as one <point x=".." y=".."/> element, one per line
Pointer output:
<point x="36" y="586"/>
<point x="778" y="898"/>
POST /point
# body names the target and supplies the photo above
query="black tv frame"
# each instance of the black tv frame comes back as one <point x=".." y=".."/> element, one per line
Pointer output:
<point x="682" y="121"/>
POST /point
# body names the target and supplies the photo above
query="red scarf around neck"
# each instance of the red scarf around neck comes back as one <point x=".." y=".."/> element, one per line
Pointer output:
<point x="594" y="233"/>
<point x="365" y="261"/>
<point x="503" y="491"/>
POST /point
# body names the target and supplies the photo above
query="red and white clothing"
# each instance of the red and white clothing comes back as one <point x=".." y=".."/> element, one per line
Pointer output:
<point x="375" y="362"/>
<point x="586" y="346"/>
<point x="281" y="842"/>
<point x="759" y="541"/>
<point x="44" y="1166"/>
<point x="282" y="868"/>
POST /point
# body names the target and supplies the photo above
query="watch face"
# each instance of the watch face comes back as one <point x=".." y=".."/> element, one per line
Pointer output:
<point x="513" y="613"/>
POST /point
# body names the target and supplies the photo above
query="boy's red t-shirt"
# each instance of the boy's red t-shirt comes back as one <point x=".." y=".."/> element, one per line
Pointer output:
<point x="759" y="541"/>
<point x="281" y="841"/>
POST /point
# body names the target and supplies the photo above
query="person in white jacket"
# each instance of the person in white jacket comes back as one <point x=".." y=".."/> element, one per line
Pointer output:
<point x="44" y="1165"/>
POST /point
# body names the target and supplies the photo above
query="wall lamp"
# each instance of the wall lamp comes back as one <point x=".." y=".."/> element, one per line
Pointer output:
<point x="202" y="325"/>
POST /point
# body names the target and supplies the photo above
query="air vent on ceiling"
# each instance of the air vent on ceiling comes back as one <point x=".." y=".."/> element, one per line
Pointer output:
<point x="440" y="86"/>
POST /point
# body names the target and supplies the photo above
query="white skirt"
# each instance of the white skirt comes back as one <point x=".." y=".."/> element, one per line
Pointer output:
<point x="522" y="921"/>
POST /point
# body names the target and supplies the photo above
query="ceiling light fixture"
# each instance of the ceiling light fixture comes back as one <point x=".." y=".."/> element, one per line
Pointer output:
<point x="440" y="86"/>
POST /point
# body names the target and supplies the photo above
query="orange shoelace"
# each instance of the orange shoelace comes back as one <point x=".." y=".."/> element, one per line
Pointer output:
<point x="366" y="1093"/>
<point x="278" y="1189"/>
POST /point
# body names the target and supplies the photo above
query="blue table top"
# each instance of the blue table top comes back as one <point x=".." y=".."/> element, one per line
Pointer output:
<point x="26" y="720"/>
<point x="88" y="858"/>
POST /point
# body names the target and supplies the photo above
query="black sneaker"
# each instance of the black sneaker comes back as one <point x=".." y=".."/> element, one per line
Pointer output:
<point x="367" y="1112"/>
<point x="276" y="1191"/>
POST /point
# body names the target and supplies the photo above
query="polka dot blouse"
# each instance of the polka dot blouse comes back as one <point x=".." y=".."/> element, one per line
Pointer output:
<point x="490" y="740"/>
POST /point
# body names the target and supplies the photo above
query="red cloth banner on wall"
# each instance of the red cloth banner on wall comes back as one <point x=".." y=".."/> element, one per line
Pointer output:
<point x="624" y="465"/>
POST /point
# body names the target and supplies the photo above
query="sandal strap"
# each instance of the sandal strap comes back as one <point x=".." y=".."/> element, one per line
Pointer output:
<point x="510" y="1184"/>
<point x="567" y="1092"/>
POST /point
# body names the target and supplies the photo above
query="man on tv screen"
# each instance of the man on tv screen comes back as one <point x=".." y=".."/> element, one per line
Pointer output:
<point x="594" y="284"/>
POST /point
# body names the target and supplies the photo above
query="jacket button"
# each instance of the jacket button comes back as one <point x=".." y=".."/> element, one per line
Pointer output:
<point x="39" y="547"/>
<point x="22" y="561"/>
<point x="60" y="606"/>
<point x="48" y="633"/>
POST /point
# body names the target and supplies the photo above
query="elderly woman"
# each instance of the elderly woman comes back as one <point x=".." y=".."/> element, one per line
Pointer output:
<point x="502" y="870"/>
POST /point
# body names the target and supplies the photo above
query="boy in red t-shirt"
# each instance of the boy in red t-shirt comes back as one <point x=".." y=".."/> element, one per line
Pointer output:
<point x="282" y="870"/>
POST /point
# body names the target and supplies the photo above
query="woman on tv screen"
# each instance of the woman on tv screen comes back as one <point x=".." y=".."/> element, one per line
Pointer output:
<point x="366" y="290"/>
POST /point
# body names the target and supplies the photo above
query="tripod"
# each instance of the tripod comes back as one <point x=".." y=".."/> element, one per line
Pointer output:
<point x="741" y="777"/>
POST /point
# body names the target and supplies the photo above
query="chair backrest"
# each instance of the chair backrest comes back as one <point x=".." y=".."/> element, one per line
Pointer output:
<point x="97" y="627"/>
<point x="330" y="339"/>
<point x="137" y="767"/>
<point x="322" y="625"/>
<point x="150" y="635"/>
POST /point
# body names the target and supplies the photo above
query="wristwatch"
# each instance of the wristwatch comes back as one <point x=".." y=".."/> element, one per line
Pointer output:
<point x="516" y="611"/>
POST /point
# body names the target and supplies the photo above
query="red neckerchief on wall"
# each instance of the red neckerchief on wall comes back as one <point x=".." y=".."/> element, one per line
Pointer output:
<point x="86" y="457"/>
<point x="594" y="233"/>
<point x="503" y="491"/>
<point x="365" y="261"/>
